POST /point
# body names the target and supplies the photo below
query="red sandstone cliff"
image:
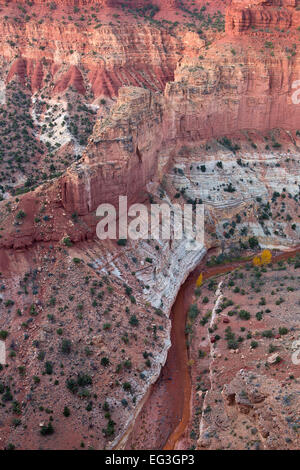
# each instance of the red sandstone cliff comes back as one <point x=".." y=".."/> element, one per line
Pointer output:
<point x="243" y="15"/>
<point x="218" y="95"/>
<point x="212" y="97"/>
<point x="122" y="154"/>
<point x="232" y="87"/>
<point x="110" y="48"/>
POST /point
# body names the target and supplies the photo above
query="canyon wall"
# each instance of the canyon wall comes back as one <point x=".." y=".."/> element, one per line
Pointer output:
<point x="219" y="90"/>
<point x="110" y="48"/>
<point x="234" y="88"/>
<point x="108" y="3"/>
<point x="222" y="94"/>
<point x="243" y="16"/>
<point x="122" y="154"/>
<point x="106" y="58"/>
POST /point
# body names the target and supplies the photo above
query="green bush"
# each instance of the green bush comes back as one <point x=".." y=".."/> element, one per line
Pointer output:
<point x="283" y="331"/>
<point x="66" y="346"/>
<point x="267" y="334"/>
<point x="47" y="430"/>
<point x="253" y="242"/>
<point x="133" y="320"/>
<point x="3" y="334"/>
<point x="67" y="241"/>
<point x="126" y="386"/>
<point x="193" y="312"/>
<point x="21" y="215"/>
<point x="244" y="315"/>
<point x="66" y="412"/>
<point x="105" y="361"/>
<point x="49" y="368"/>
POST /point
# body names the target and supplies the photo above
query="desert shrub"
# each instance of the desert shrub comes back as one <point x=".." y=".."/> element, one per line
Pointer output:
<point x="104" y="361"/>
<point x="193" y="312"/>
<point x="47" y="430"/>
<point x="49" y="368"/>
<point x="126" y="386"/>
<point x="283" y="330"/>
<point x="267" y="334"/>
<point x="66" y="412"/>
<point x="253" y="242"/>
<point x="244" y="315"/>
<point x="67" y="241"/>
<point x="66" y="346"/>
<point x="133" y="321"/>
<point x="110" y="428"/>
<point x="21" y="215"/>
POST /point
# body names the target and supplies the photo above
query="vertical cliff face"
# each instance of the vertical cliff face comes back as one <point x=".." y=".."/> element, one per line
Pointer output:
<point x="245" y="80"/>
<point x="70" y="59"/>
<point x="230" y="89"/>
<point x="121" y="157"/>
<point x="110" y="3"/>
<point x="112" y="43"/>
<point x="234" y="88"/>
<point x="242" y="16"/>
<point x="106" y="58"/>
<point x="233" y="85"/>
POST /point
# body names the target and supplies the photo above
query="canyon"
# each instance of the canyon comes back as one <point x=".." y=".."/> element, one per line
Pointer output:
<point x="176" y="102"/>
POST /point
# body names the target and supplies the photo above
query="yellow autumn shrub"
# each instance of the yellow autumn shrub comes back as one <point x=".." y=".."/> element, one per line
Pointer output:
<point x="199" y="280"/>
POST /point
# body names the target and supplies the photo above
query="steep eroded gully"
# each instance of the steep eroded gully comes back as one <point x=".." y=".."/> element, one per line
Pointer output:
<point x="165" y="415"/>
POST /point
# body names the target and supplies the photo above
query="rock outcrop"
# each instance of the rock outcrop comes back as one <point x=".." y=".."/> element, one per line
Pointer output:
<point x="209" y="99"/>
<point x="229" y="89"/>
<point x="242" y="15"/>
<point x="107" y="55"/>
<point x="247" y="402"/>
<point x="122" y="155"/>
<point x="233" y="88"/>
